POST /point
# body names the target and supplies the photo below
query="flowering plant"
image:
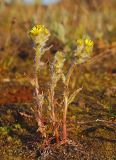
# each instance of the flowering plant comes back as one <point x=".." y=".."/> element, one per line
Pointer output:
<point x="40" y="34"/>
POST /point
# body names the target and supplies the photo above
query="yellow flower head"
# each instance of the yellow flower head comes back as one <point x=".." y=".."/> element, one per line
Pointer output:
<point x="84" y="49"/>
<point x="88" y="43"/>
<point x="38" y="30"/>
<point x="85" y="42"/>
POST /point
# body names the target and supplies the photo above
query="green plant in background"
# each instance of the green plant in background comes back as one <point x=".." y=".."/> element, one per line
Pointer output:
<point x="59" y="31"/>
<point x="40" y="35"/>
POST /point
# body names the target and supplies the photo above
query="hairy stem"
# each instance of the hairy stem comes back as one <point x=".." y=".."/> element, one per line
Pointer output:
<point x="66" y="95"/>
<point x="64" y="119"/>
<point x="53" y="113"/>
<point x="38" y="113"/>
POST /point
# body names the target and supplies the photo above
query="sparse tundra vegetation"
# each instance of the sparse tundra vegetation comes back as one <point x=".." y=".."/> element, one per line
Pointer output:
<point x="58" y="80"/>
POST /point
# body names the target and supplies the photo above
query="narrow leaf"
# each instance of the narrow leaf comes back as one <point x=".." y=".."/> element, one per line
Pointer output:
<point x="73" y="95"/>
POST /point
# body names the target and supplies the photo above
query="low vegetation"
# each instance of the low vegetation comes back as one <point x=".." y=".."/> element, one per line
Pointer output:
<point x="57" y="80"/>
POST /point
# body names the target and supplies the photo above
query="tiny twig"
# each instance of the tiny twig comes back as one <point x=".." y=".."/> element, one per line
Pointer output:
<point x="25" y="115"/>
<point x="97" y="120"/>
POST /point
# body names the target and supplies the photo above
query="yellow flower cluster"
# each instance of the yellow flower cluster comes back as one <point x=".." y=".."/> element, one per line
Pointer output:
<point x="84" y="50"/>
<point x="38" y="30"/>
<point x="85" y="42"/>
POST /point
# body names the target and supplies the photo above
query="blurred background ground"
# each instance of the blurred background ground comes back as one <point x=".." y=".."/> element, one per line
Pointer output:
<point x="67" y="21"/>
